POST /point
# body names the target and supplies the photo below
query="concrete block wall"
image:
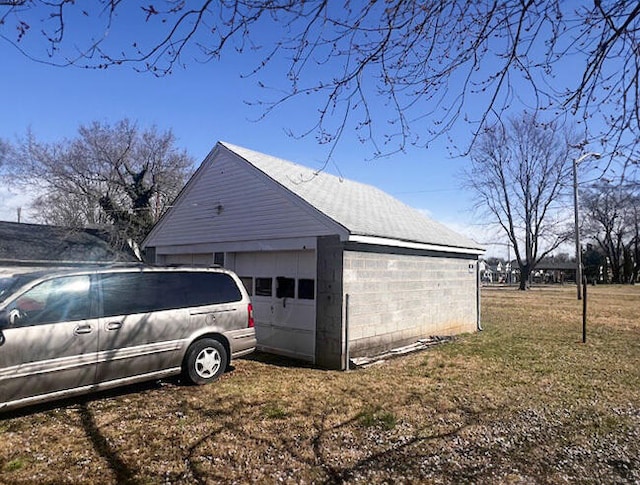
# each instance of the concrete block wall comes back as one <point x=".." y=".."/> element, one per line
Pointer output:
<point x="396" y="299"/>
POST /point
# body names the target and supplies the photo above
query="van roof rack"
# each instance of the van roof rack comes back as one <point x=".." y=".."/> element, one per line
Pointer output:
<point x="124" y="264"/>
<point x="182" y="265"/>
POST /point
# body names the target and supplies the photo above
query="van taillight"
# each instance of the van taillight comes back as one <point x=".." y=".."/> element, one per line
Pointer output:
<point x="250" y="312"/>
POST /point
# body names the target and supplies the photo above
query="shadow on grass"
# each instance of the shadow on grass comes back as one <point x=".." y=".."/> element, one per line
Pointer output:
<point x="123" y="474"/>
<point x="279" y="360"/>
<point x="303" y="443"/>
<point x="82" y="400"/>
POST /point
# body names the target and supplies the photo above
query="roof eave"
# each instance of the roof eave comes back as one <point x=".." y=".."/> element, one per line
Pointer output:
<point x="398" y="243"/>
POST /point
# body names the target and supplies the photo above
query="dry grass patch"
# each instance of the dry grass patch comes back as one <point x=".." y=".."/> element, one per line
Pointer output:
<point x="522" y="401"/>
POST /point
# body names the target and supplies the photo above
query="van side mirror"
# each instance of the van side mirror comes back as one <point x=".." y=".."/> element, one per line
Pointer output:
<point x="10" y="318"/>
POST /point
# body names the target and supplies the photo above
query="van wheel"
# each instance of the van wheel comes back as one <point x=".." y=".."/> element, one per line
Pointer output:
<point x="205" y="361"/>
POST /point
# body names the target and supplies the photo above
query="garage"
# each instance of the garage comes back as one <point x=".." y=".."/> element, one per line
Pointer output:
<point x="336" y="269"/>
<point x="282" y="288"/>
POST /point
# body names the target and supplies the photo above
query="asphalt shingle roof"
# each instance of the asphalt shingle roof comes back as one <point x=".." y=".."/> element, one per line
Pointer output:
<point x="35" y="242"/>
<point x="362" y="209"/>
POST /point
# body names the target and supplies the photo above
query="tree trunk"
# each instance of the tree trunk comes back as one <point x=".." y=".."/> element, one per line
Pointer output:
<point x="627" y="266"/>
<point x="524" y="277"/>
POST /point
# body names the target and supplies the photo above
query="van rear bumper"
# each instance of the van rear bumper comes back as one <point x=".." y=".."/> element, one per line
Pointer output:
<point x="242" y="342"/>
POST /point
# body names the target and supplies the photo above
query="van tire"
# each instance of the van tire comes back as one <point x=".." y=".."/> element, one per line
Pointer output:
<point x="205" y="361"/>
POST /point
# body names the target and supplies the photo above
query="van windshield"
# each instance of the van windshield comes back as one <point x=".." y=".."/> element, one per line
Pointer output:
<point x="9" y="284"/>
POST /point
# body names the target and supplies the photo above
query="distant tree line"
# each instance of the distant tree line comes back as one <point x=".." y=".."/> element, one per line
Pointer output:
<point x="519" y="171"/>
<point x="521" y="174"/>
<point x="612" y="222"/>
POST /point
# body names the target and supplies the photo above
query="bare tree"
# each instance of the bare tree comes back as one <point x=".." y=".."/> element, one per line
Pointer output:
<point x="421" y="60"/>
<point x="4" y="151"/>
<point x="612" y="213"/>
<point x="517" y="173"/>
<point x="634" y="244"/>
<point x="110" y="175"/>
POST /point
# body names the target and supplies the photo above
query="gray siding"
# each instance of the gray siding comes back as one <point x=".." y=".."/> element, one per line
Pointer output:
<point x="229" y="200"/>
<point x="396" y="299"/>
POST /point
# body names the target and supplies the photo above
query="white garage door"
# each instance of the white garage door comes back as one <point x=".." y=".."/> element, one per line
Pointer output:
<point x="203" y="259"/>
<point x="283" y="291"/>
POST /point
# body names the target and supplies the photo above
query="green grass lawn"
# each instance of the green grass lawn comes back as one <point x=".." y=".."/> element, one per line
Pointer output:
<point x="524" y="401"/>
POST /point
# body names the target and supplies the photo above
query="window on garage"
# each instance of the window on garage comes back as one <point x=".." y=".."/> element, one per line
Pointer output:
<point x="306" y="289"/>
<point x="264" y="286"/>
<point x="247" y="281"/>
<point x="286" y="287"/>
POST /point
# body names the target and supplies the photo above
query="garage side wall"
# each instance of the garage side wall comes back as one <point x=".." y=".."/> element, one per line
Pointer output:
<point x="396" y="299"/>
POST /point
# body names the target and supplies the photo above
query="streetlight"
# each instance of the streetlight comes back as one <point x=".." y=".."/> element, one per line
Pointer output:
<point x="576" y="161"/>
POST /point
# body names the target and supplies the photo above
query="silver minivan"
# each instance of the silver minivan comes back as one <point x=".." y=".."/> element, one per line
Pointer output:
<point x="70" y="332"/>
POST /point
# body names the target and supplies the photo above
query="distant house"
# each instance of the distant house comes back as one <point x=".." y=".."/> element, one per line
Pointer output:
<point x="27" y="246"/>
<point x="336" y="268"/>
<point x="487" y="273"/>
<point x="553" y="270"/>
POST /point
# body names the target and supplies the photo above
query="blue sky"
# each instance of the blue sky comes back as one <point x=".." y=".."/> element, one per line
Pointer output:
<point x="205" y="103"/>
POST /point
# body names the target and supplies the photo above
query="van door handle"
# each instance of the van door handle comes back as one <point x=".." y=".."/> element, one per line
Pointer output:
<point x="80" y="329"/>
<point x="114" y="325"/>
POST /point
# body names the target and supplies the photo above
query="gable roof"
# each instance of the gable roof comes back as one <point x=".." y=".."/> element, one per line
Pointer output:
<point x="36" y="243"/>
<point x="363" y="210"/>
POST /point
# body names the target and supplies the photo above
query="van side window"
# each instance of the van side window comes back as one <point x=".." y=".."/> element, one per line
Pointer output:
<point x="130" y="293"/>
<point x="208" y="288"/>
<point x="123" y="294"/>
<point x="56" y="300"/>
